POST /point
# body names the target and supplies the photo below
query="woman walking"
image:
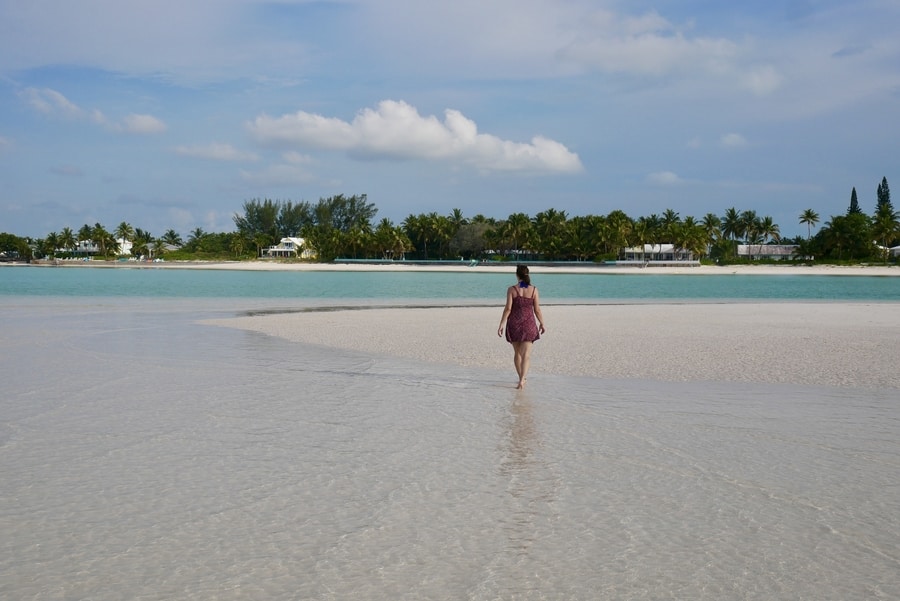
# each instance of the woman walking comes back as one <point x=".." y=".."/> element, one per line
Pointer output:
<point x="522" y="307"/>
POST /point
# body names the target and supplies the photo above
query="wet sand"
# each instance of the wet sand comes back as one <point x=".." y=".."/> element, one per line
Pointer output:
<point x="834" y="344"/>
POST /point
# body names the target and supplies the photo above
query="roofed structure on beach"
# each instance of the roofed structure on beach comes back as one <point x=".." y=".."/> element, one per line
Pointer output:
<point x="656" y="252"/>
<point x="290" y="248"/>
<point x="773" y="252"/>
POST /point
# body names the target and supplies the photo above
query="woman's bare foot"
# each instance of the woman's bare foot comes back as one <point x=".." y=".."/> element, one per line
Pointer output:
<point x="521" y="384"/>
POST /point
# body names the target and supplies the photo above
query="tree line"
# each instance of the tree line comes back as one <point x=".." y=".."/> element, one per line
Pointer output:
<point x="344" y="227"/>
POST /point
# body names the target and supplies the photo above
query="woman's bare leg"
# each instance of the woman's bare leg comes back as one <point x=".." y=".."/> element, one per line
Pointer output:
<point x="523" y="361"/>
<point x="517" y="358"/>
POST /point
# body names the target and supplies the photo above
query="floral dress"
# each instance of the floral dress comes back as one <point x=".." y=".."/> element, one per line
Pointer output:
<point x="521" y="326"/>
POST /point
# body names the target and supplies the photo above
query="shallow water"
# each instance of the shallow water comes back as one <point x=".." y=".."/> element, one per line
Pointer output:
<point x="293" y="286"/>
<point x="145" y="456"/>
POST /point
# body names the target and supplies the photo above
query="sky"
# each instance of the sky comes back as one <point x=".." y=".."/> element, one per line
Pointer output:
<point x="171" y="114"/>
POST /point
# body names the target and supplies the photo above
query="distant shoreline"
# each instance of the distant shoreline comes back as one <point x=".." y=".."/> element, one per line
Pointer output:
<point x="493" y="267"/>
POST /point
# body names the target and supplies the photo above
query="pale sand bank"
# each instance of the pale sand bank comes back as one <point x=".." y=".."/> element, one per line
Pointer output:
<point x="836" y="344"/>
<point x="867" y="270"/>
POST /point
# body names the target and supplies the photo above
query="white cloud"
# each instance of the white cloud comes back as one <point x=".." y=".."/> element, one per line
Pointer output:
<point x="140" y="124"/>
<point x="733" y="140"/>
<point x="396" y="130"/>
<point x="52" y="103"/>
<point x="296" y="157"/>
<point x="762" y="80"/>
<point x="664" y="178"/>
<point x="216" y="152"/>
<point x="646" y="44"/>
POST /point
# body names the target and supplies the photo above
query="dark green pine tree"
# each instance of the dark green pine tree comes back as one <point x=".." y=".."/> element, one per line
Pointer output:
<point x="854" y="204"/>
<point x="884" y="197"/>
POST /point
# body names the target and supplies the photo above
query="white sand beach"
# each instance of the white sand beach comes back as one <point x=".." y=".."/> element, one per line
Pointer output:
<point x="835" y="344"/>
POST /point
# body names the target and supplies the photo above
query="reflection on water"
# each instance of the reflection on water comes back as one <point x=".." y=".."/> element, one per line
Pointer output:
<point x="145" y="456"/>
<point x="529" y="485"/>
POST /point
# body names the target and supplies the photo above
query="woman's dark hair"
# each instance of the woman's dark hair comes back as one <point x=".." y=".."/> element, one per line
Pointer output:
<point x="522" y="274"/>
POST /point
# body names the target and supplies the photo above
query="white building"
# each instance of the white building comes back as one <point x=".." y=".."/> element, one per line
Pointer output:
<point x="89" y="248"/>
<point x="656" y="252"/>
<point x="290" y="248"/>
<point x="774" y="252"/>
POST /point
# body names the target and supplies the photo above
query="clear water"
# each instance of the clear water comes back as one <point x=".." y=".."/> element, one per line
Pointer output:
<point x="146" y="456"/>
<point x="193" y="283"/>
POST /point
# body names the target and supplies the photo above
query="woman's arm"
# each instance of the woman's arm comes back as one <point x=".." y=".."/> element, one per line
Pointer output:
<point x="506" y="310"/>
<point x="537" y="310"/>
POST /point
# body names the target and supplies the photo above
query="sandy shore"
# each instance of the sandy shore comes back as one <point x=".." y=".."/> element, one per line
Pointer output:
<point x="835" y="344"/>
<point x="861" y="270"/>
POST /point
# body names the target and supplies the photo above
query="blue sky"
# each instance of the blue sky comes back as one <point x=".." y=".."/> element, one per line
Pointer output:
<point x="173" y="113"/>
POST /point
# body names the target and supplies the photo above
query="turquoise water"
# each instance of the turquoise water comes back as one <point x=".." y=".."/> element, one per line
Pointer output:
<point x="146" y="455"/>
<point x="196" y="283"/>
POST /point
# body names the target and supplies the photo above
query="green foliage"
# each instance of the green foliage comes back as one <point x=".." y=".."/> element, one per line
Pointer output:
<point x="854" y="209"/>
<point x="14" y="246"/>
<point x="847" y="237"/>
<point x="883" y="194"/>
<point x="342" y="226"/>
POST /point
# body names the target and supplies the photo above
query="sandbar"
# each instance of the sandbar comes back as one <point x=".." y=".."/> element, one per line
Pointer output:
<point x="848" y="344"/>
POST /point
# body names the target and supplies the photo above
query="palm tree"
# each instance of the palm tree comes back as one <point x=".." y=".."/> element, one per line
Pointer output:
<point x="837" y="234"/>
<point x="749" y="230"/>
<point x="172" y="237"/>
<point x="670" y="218"/>
<point x="124" y="232"/>
<point x="159" y="247"/>
<point x="100" y="236"/>
<point x="195" y="239"/>
<point x="67" y="239"/>
<point x="139" y="247"/>
<point x="457" y="219"/>
<point x="444" y="230"/>
<point x="810" y="218"/>
<point x="886" y="227"/>
<point x="550" y="229"/>
<point x="430" y="230"/>
<point x="769" y="230"/>
<point x="359" y="237"/>
<point x="51" y="244"/>
<point x="384" y="237"/>
<point x="517" y="230"/>
<point x="619" y="227"/>
<point x="111" y="245"/>
<point x="731" y="224"/>
<point x="142" y="243"/>
<point x="655" y="234"/>
<point x="580" y="235"/>
<point x="640" y="234"/>
<point x="713" y="227"/>
<point x="236" y="244"/>
<point x="691" y="236"/>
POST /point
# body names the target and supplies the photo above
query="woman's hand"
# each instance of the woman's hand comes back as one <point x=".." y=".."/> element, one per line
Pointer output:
<point x="500" y="331"/>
